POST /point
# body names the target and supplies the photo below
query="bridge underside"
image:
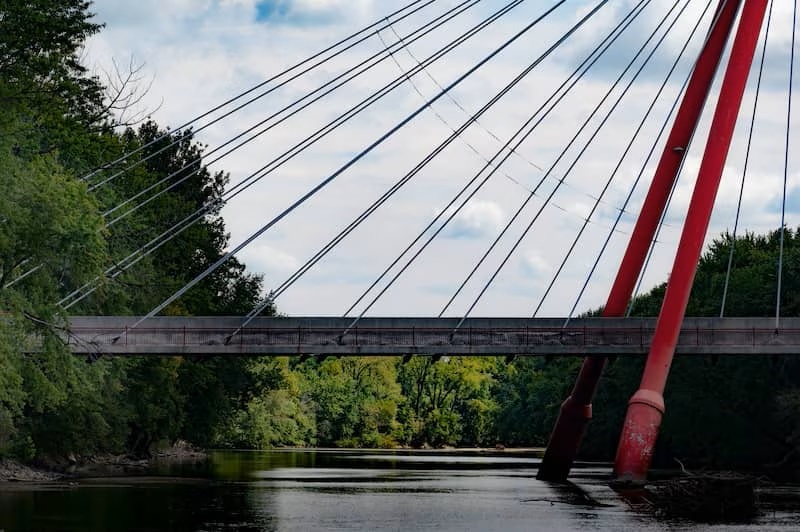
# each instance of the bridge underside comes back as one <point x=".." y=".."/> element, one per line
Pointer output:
<point x="424" y="336"/>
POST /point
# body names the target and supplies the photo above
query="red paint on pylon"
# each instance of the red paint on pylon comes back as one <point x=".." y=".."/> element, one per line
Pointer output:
<point x="577" y="409"/>
<point x="646" y="407"/>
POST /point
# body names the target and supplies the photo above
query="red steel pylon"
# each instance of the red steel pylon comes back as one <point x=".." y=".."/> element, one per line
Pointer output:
<point x="577" y="409"/>
<point x="646" y="407"/>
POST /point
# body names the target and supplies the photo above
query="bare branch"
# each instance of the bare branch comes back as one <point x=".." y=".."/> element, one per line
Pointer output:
<point x="125" y="90"/>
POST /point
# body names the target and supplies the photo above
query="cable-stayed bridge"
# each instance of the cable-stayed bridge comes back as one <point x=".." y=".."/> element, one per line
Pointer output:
<point x="620" y="98"/>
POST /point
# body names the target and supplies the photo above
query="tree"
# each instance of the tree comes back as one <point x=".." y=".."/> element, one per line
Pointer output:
<point x="274" y="414"/>
<point x="443" y="395"/>
<point x="528" y="394"/>
<point x="51" y="227"/>
<point x="166" y="185"/>
<point x="56" y="126"/>
<point x="40" y="43"/>
<point x="48" y="218"/>
<point x="153" y="392"/>
<point x="55" y="100"/>
<point x="355" y="400"/>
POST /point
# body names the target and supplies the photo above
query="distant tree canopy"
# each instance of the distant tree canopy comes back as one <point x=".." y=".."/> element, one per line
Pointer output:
<point x="753" y="284"/>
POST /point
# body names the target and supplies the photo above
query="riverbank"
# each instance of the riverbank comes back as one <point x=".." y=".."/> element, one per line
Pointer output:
<point x="13" y="471"/>
<point x="95" y="466"/>
<point x="70" y="467"/>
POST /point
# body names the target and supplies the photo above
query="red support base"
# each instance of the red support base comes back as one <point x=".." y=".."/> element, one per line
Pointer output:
<point x="646" y="408"/>
<point x="576" y="411"/>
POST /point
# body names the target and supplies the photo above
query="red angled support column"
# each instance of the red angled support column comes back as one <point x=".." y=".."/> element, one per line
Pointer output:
<point x="646" y="407"/>
<point x="577" y="409"/>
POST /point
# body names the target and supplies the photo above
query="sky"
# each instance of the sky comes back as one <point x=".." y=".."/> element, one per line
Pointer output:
<point x="194" y="55"/>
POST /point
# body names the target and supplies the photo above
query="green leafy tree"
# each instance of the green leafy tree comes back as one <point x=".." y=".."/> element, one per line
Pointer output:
<point x="529" y="394"/>
<point x="56" y="125"/>
<point x="51" y="227"/>
<point x="355" y="400"/>
<point x="274" y="415"/>
<point x="209" y="391"/>
<point x="48" y="218"/>
<point x="58" y="104"/>
<point x="443" y="395"/>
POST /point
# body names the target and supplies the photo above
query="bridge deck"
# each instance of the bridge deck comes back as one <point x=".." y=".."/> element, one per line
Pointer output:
<point x="431" y="336"/>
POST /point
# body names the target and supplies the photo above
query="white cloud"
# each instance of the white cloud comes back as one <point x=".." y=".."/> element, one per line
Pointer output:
<point x="478" y="219"/>
<point x="534" y="264"/>
<point x="274" y="262"/>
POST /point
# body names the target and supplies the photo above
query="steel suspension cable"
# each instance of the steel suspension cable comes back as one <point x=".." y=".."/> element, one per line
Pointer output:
<point x="628" y="198"/>
<point x="574" y="139"/>
<point x="478" y="124"/>
<point x="24" y="275"/>
<point x="786" y="171"/>
<point x="251" y="90"/>
<point x="120" y="267"/>
<point x="292" y="152"/>
<point x="391" y="191"/>
<point x="350" y="163"/>
<point x="628" y="148"/>
<point x="652" y="249"/>
<point x="554" y="99"/>
<point x="450" y="97"/>
<point x="746" y="164"/>
<point x="323" y="90"/>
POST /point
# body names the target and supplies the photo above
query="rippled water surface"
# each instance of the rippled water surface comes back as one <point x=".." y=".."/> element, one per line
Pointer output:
<point x="340" y="490"/>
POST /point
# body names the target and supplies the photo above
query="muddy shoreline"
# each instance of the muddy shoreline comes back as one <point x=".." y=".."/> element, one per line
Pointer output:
<point x="13" y="471"/>
<point x="71" y="467"/>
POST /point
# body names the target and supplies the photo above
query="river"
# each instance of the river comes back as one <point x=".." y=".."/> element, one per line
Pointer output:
<point x="349" y="490"/>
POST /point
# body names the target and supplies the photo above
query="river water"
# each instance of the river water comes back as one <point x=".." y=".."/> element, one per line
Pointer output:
<point x="350" y="490"/>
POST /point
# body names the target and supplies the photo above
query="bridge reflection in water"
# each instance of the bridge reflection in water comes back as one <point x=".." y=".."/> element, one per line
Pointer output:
<point x="424" y="336"/>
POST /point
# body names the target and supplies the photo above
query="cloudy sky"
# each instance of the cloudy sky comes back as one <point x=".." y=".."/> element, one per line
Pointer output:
<point x="200" y="53"/>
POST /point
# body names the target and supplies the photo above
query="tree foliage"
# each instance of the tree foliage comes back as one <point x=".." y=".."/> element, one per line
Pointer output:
<point x="449" y="401"/>
<point x="56" y="234"/>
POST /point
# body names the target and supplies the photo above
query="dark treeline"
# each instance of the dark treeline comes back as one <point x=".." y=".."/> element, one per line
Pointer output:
<point x="58" y="123"/>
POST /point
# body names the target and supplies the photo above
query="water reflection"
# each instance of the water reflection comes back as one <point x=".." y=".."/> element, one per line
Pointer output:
<point x="131" y="504"/>
<point x="331" y="490"/>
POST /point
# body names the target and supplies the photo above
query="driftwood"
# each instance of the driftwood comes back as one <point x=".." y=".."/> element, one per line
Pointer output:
<point x="708" y="498"/>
